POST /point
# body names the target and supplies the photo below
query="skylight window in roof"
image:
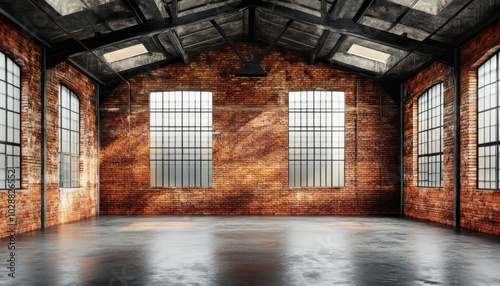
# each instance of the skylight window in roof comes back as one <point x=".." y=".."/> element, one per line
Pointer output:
<point x="66" y="7"/>
<point x="432" y="7"/>
<point x="368" y="53"/>
<point x="125" y="53"/>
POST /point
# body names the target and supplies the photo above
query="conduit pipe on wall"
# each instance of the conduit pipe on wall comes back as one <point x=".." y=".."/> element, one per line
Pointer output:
<point x="43" y="151"/>
<point x="356" y="152"/>
<point x="401" y="149"/>
<point x="129" y="91"/>
<point x="381" y="137"/>
<point x="456" y="139"/>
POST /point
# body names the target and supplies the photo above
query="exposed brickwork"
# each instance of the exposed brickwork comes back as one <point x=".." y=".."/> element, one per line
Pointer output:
<point x="480" y="209"/>
<point x="250" y="124"/>
<point x="70" y="204"/>
<point x="435" y="204"/>
<point x="62" y="205"/>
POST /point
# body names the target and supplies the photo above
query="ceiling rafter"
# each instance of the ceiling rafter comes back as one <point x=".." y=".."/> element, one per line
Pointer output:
<point x="351" y="28"/>
<point x="63" y="50"/>
<point x="137" y="10"/>
<point x="174" y="39"/>
<point x="325" y="15"/>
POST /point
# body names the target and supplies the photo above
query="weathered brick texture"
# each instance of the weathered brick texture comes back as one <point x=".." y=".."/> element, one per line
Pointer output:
<point x="62" y="205"/>
<point x="480" y="209"/>
<point x="250" y="150"/>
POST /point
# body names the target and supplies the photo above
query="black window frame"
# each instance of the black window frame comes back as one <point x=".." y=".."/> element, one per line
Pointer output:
<point x="181" y="145"/>
<point x="488" y="148"/>
<point x="316" y="143"/>
<point x="69" y="170"/>
<point x="429" y="160"/>
<point x="10" y="108"/>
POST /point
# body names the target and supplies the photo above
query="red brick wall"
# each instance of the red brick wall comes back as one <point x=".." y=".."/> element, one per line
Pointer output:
<point x="250" y="133"/>
<point x="70" y="204"/>
<point x="480" y="209"/>
<point x="62" y="205"/>
<point x="27" y="54"/>
<point x="435" y="204"/>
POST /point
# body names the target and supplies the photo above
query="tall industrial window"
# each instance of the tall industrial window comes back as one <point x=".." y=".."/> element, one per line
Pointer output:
<point x="69" y="141"/>
<point x="10" y="122"/>
<point x="181" y="139"/>
<point x="430" y="137"/>
<point x="488" y="123"/>
<point x="316" y="139"/>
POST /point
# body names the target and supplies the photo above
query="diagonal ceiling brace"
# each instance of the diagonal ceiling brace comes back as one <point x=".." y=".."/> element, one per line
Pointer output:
<point x="251" y="68"/>
<point x="233" y="46"/>
<point x="271" y="46"/>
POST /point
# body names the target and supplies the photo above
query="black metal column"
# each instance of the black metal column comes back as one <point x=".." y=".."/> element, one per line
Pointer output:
<point x="402" y="150"/>
<point x="98" y="134"/>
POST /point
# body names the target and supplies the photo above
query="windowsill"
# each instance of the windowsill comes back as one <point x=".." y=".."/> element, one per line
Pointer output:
<point x="180" y="188"/>
<point x="71" y="190"/>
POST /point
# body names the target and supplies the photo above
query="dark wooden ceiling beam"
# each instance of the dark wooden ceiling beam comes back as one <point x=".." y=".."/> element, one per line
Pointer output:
<point x="174" y="12"/>
<point x="176" y="42"/>
<point x="136" y="10"/>
<point x="361" y="12"/>
<point x="325" y="15"/>
<point x="63" y="50"/>
<point x="351" y="28"/>
<point x="228" y="40"/>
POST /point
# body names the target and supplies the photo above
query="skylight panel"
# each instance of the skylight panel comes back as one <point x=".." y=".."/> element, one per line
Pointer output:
<point x="368" y="53"/>
<point x="66" y="7"/>
<point x="125" y="53"/>
<point x="432" y="7"/>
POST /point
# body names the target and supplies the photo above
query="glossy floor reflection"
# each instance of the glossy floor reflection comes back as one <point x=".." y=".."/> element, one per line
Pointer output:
<point x="173" y="250"/>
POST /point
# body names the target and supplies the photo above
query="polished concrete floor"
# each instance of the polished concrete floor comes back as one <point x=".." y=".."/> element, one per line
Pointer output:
<point x="172" y="250"/>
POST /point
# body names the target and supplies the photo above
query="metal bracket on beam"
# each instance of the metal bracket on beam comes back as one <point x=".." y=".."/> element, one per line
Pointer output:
<point x="172" y="36"/>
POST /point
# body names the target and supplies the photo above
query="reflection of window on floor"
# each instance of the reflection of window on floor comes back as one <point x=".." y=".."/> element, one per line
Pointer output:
<point x="10" y="122"/>
<point x="488" y="129"/>
<point x="316" y="139"/>
<point x="430" y="137"/>
<point x="181" y="139"/>
<point x="69" y="143"/>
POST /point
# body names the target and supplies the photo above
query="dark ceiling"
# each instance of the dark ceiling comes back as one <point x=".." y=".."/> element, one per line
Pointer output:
<point x="385" y="39"/>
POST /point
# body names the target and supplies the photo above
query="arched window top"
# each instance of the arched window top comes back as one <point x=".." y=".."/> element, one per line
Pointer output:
<point x="488" y="127"/>
<point x="10" y="71"/>
<point x="69" y="142"/>
<point x="430" y="137"/>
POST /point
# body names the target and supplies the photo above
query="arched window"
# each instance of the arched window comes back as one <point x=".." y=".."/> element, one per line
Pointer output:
<point x="10" y="123"/>
<point x="430" y="137"/>
<point x="488" y="85"/>
<point x="69" y="139"/>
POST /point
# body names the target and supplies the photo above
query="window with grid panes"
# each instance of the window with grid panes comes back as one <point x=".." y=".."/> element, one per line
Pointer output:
<point x="316" y="139"/>
<point x="488" y="142"/>
<point x="181" y="139"/>
<point x="10" y="122"/>
<point x="430" y="137"/>
<point x="69" y="139"/>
